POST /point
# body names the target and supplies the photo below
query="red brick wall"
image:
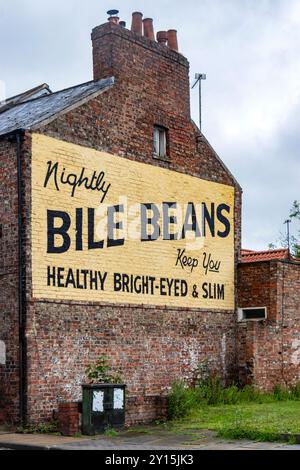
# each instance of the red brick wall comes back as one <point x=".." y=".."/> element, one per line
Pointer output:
<point x="9" y="329"/>
<point x="269" y="350"/>
<point x="154" y="346"/>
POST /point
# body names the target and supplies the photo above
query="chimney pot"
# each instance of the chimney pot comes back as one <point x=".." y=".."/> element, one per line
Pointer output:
<point x="114" y="19"/>
<point x="172" y="39"/>
<point x="148" y="28"/>
<point x="123" y="24"/>
<point x="162" y="37"/>
<point x="137" y="23"/>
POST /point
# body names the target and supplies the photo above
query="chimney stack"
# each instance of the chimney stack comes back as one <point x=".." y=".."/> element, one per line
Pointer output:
<point x="113" y="18"/>
<point x="148" y="28"/>
<point x="172" y="39"/>
<point x="137" y="23"/>
<point x="162" y="37"/>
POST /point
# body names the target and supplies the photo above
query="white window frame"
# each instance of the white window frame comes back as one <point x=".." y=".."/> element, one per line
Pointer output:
<point x="241" y="316"/>
<point x="160" y="142"/>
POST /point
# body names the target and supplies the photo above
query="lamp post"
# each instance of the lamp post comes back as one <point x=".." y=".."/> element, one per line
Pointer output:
<point x="288" y="222"/>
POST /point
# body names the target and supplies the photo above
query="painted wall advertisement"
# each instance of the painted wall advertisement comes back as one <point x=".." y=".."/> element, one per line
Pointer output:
<point x="108" y="229"/>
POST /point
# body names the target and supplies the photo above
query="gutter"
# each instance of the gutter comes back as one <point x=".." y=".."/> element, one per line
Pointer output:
<point x="21" y="290"/>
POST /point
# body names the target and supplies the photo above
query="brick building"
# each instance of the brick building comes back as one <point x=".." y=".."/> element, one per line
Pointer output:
<point x="269" y="319"/>
<point x="158" y="301"/>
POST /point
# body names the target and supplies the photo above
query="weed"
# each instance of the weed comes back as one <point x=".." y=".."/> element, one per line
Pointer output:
<point x="110" y="432"/>
<point x="44" y="428"/>
<point x="181" y="400"/>
<point x="100" y="372"/>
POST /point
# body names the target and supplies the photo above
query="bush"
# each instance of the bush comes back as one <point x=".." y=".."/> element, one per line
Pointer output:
<point x="231" y="395"/>
<point x="210" y="391"/>
<point x="100" y="372"/>
<point x="296" y="391"/>
<point x="181" y="400"/>
<point x="281" y="394"/>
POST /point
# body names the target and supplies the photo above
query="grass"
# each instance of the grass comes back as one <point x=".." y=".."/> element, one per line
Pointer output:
<point x="263" y="422"/>
<point x="111" y="432"/>
<point x="236" y="413"/>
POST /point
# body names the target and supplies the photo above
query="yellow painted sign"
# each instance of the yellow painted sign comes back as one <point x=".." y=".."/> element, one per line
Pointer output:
<point x="107" y="229"/>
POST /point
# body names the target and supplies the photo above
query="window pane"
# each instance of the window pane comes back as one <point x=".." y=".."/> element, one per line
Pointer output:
<point x="156" y="141"/>
<point x="162" y="143"/>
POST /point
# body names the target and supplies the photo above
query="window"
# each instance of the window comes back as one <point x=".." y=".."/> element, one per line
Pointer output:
<point x="160" y="142"/>
<point x="255" y="313"/>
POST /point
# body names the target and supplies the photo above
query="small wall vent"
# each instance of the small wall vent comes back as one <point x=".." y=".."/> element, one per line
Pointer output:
<point x="252" y="313"/>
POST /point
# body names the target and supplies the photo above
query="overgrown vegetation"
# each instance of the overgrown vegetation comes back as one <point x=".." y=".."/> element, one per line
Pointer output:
<point x="44" y="428"/>
<point x="274" y="421"/>
<point x="100" y="372"/>
<point x="111" y="432"/>
<point x="235" y="413"/>
<point x="211" y="392"/>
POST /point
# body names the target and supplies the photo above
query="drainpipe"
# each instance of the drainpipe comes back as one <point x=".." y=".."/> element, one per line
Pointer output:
<point x="21" y="290"/>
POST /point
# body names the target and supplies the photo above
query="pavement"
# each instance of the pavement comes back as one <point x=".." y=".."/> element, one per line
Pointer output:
<point x="146" y="438"/>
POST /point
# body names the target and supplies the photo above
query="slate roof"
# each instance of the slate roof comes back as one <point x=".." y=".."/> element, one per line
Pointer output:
<point x="249" y="256"/>
<point x="35" y="92"/>
<point x="42" y="110"/>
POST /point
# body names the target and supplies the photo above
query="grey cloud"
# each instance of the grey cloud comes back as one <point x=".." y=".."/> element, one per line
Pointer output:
<point x="249" y="50"/>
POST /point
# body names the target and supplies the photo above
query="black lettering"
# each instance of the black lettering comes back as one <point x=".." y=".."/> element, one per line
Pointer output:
<point x="152" y="221"/>
<point x="224" y="220"/>
<point x="60" y="277"/>
<point x="93" y="280"/>
<point x="205" y="290"/>
<point x="169" y="220"/>
<point x="92" y="244"/>
<point x="79" y="217"/>
<point x="61" y="231"/>
<point x="117" y="282"/>
<point x="208" y="218"/>
<point x="193" y="225"/>
<point x="221" y="292"/>
<point x="51" y="277"/>
<point x="51" y="169"/>
<point x="184" y="288"/>
<point x="70" y="279"/>
<point x="112" y="226"/>
<point x="125" y="282"/>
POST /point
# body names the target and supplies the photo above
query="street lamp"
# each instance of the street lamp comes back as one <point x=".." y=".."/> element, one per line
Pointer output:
<point x="288" y="222"/>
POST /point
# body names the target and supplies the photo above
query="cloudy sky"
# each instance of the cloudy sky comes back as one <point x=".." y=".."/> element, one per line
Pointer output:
<point x="250" y="51"/>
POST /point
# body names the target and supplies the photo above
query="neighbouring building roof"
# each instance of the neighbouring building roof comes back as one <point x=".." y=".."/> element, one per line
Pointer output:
<point x="281" y="254"/>
<point x="43" y="109"/>
<point x="36" y="92"/>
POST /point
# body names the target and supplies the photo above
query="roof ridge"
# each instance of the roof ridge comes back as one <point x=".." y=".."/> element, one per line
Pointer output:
<point x="278" y="254"/>
<point x="39" y="111"/>
<point x="256" y="252"/>
<point x="61" y="91"/>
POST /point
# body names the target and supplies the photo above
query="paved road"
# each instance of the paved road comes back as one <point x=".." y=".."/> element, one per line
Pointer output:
<point x="146" y="440"/>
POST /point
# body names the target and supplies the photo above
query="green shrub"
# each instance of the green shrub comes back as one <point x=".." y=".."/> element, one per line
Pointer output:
<point x="100" y="372"/>
<point x="296" y="391"/>
<point x="110" y="432"/>
<point x="211" y="391"/>
<point x="181" y="400"/>
<point x="231" y="395"/>
<point x="281" y="394"/>
<point x="50" y="427"/>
